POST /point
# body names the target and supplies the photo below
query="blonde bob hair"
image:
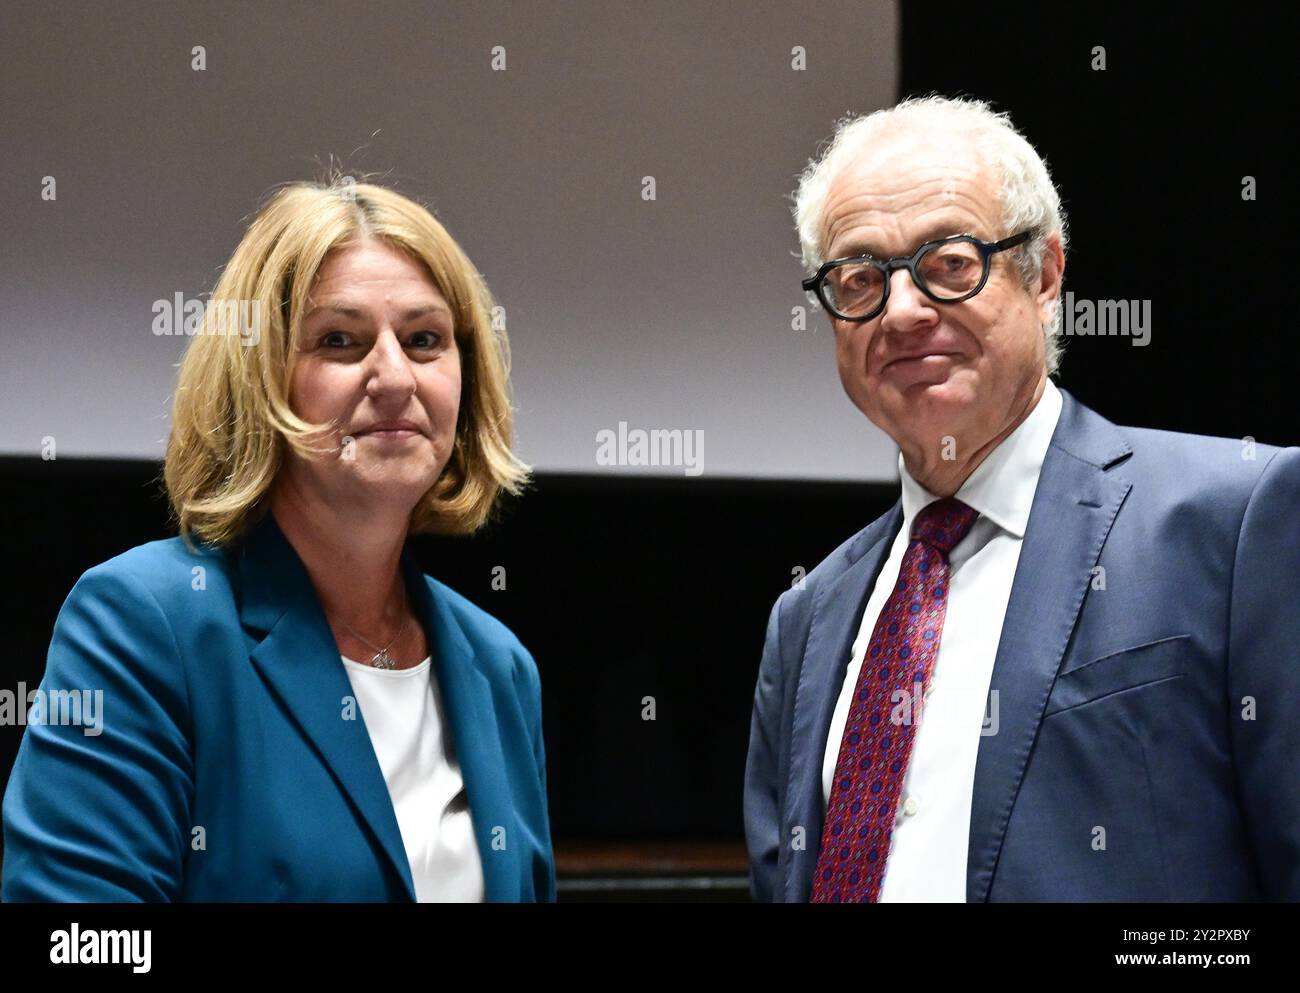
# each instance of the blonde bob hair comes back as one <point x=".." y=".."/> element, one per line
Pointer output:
<point x="231" y="418"/>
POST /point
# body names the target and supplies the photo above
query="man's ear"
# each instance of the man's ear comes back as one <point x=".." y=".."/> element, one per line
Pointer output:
<point x="1049" y="283"/>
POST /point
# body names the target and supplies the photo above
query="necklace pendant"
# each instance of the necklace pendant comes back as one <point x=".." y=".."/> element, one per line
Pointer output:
<point x="383" y="660"/>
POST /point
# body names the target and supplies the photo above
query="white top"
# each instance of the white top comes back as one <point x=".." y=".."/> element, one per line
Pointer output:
<point x="927" y="861"/>
<point x="403" y="712"/>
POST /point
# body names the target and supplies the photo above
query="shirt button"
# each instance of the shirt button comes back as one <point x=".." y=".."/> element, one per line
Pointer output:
<point x="910" y="806"/>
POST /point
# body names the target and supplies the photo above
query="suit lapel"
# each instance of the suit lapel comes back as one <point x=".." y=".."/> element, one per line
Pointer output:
<point x="837" y="614"/>
<point x="300" y="663"/>
<point x="471" y="714"/>
<point x="295" y="653"/>
<point x="1074" y="506"/>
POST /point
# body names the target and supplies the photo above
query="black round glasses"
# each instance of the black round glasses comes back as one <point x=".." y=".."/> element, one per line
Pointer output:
<point x="948" y="270"/>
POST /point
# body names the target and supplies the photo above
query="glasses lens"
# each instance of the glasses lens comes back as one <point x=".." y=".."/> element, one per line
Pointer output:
<point x="855" y="289"/>
<point x="951" y="270"/>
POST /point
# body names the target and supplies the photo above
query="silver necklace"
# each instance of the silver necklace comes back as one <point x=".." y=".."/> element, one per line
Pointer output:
<point x="382" y="659"/>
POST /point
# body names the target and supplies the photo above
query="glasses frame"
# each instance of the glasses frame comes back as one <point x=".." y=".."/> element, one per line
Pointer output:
<point x="817" y="282"/>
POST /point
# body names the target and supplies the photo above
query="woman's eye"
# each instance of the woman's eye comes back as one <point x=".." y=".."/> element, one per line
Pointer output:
<point x="422" y="340"/>
<point x="426" y="339"/>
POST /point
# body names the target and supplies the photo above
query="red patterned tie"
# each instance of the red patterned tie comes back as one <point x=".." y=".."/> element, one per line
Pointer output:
<point x="878" y="734"/>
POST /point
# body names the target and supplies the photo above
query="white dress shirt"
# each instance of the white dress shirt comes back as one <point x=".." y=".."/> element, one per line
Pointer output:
<point x="927" y="861"/>
<point x="404" y="714"/>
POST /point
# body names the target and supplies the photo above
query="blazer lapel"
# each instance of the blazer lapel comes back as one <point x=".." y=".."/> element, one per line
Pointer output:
<point x="300" y="662"/>
<point x="837" y="614"/>
<point x="471" y="714"/>
<point x="1074" y="507"/>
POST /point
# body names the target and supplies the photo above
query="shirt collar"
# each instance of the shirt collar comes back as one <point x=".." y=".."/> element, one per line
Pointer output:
<point x="1002" y="486"/>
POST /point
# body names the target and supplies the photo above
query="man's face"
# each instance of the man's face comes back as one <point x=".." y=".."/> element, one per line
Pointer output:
<point x="377" y="347"/>
<point x="922" y="370"/>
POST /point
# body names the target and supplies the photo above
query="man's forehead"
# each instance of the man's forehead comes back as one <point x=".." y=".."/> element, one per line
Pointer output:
<point x="895" y="168"/>
<point x="912" y="190"/>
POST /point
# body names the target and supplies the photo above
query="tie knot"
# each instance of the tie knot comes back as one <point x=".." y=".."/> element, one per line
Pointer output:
<point x="943" y="523"/>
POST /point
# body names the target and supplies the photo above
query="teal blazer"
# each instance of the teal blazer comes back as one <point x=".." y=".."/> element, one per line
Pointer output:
<point x="229" y="765"/>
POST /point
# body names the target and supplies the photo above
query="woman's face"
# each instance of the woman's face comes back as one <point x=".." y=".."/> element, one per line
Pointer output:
<point x="377" y="349"/>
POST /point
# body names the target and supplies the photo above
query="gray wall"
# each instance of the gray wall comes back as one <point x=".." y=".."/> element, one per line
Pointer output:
<point x="666" y="314"/>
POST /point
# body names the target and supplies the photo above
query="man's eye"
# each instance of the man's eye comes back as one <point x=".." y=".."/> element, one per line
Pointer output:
<point x="859" y="280"/>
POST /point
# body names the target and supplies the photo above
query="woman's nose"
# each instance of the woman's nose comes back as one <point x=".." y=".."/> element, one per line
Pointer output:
<point x="391" y="370"/>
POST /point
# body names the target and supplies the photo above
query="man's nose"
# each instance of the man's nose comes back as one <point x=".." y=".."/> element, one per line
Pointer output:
<point x="906" y="305"/>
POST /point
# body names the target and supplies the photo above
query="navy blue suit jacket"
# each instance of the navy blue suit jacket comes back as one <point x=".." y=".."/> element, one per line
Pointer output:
<point x="225" y="709"/>
<point x="1164" y="707"/>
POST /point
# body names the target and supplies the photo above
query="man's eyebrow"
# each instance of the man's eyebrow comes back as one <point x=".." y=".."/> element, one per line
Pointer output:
<point x="933" y="233"/>
<point x="354" y="312"/>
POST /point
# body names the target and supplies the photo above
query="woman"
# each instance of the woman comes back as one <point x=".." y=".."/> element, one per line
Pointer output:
<point x="291" y="711"/>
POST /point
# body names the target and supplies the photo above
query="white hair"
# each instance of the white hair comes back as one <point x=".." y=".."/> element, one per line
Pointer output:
<point x="1028" y="196"/>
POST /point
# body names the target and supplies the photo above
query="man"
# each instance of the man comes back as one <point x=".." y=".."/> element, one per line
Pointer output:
<point x="1063" y="666"/>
